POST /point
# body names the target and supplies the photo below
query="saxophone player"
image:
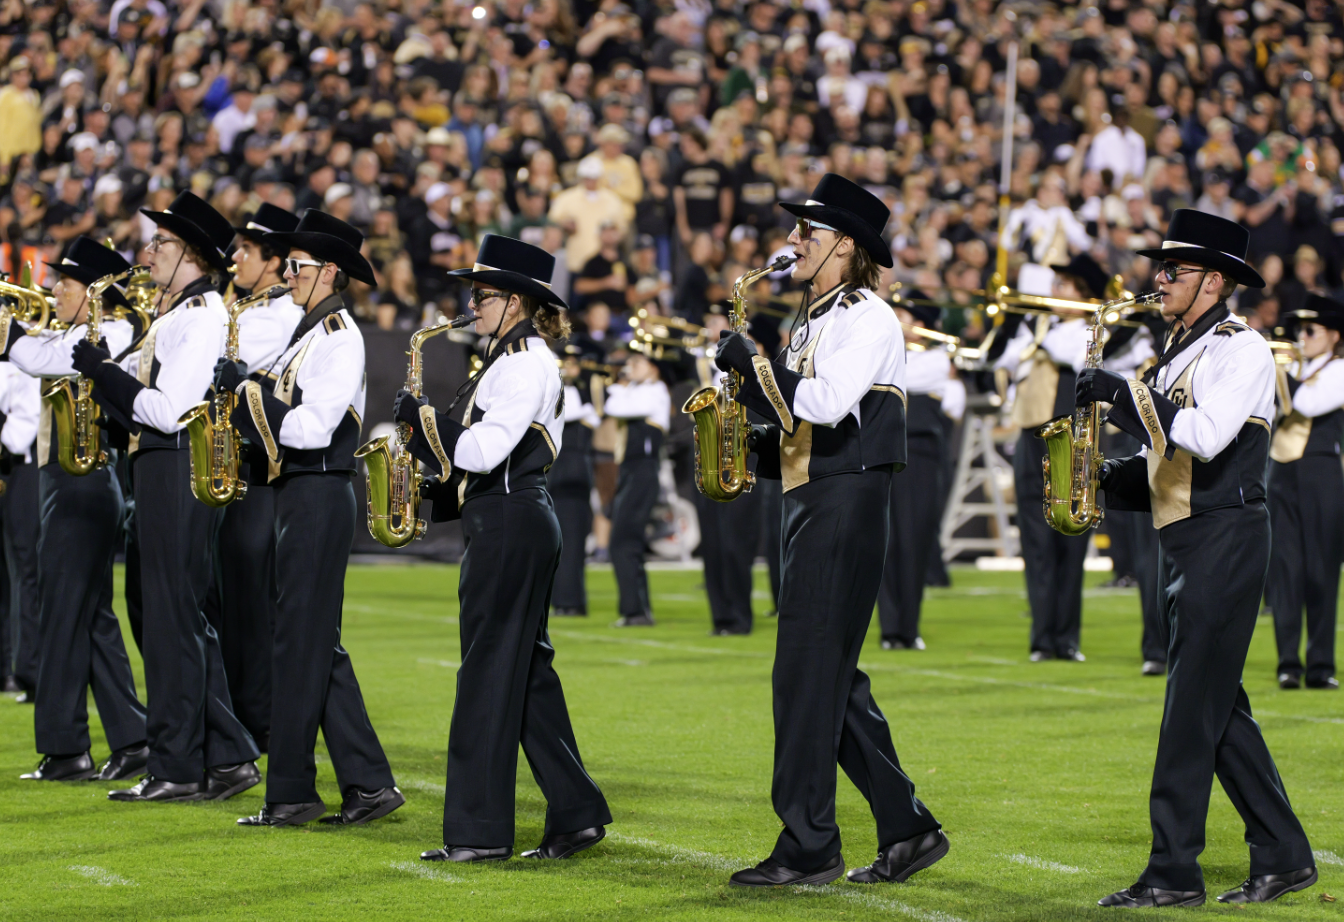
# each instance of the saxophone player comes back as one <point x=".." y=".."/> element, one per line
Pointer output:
<point x="1202" y="413"/>
<point x="570" y="479"/>
<point x="80" y="641"/>
<point x="836" y="404"/>
<point x="242" y="604"/>
<point x="197" y="747"/>
<point x="307" y="420"/>
<point x="507" y="689"/>
<point x="19" y="402"/>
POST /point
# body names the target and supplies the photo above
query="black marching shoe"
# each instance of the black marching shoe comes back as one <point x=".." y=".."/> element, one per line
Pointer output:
<point x="1327" y="683"/>
<point x="63" y="768"/>
<point x="154" y="790"/>
<point x="728" y="632"/>
<point x="1269" y="887"/>
<point x="770" y="873"/>
<point x="126" y="762"/>
<point x="223" y="781"/>
<point x="361" y="806"/>
<point x="565" y="844"/>
<point x="642" y="620"/>
<point x="1154" y="667"/>
<point x="568" y="613"/>
<point x="1289" y="681"/>
<point x="285" y="814"/>
<point x="466" y="854"/>
<point x="1041" y="656"/>
<point x="898" y="862"/>
<point x="1142" y="896"/>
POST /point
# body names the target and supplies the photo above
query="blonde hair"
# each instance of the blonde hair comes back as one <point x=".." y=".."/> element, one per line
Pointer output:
<point x="551" y="323"/>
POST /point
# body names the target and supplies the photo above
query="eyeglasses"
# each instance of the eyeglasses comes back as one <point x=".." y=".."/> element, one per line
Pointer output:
<point x="295" y="266"/>
<point x="806" y="226"/>
<point x="158" y="241"/>
<point x="480" y="295"/>
<point x="1168" y="271"/>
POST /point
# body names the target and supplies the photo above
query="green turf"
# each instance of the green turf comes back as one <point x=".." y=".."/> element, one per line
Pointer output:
<point x="1039" y="773"/>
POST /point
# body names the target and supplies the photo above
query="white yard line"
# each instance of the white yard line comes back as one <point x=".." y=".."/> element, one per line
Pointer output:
<point x="1044" y="865"/>
<point x="424" y="870"/>
<point x="1324" y="857"/>
<point x="422" y="785"/>
<point x="101" y="876"/>
<point x="445" y="663"/>
<point x="683" y="855"/>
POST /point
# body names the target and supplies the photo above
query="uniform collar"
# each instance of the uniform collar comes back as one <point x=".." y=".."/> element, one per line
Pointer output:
<point x="822" y="304"/>
<point x="201" y="286"/>
<point x="328" y="305"/>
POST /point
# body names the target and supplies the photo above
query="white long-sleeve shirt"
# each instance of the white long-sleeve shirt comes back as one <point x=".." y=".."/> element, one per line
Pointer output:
<point x="576" y="411"/>
<point x="21" y="402"/>
<point x="518" y="390"/>
<point x="1322" y="389"/>
<point x="648" y="400"/>
<point x="186" y="342"/>
<point x="1065" y="343"/>
<point x="930" y="372"/>
<point x="264" y="331"/>
<point x="49" y="353"/>
<point x="330" y="381"/>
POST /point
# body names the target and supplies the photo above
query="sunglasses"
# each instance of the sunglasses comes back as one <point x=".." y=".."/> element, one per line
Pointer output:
<point x="480" y="295"/>
<point x="295" y="266"/>
<point x="1168" y="271"/>
<point x="806" y="226"/>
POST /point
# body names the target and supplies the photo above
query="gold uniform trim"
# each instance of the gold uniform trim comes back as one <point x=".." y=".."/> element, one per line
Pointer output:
<point x="795" y="451"/>
<point x="766" y="378"/>
<point x="893" y="389"/>
<point x="432" y="436"/>
<point x="256" y="407"/>
<point x="5" y="315"/>
<point x="1169" y="480"/>
<point x="550" y="443"/>
<point x="1143" y="402"/>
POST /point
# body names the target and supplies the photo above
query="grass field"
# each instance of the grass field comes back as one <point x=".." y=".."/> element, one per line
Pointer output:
<point x="1039" y="773"/>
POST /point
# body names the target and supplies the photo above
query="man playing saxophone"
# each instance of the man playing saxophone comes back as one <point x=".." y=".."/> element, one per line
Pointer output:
<point x="308" y="421"/>
<point x="80" y="640"/>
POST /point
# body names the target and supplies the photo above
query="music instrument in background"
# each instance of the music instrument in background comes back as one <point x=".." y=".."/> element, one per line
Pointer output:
<point x="653" y="333"/>
<point x="393" y="473"/>
<point x="721" y="426"/>
<point x="1285" y="352"/>
<point x="1072" y="465"/>
<point x="33" y="305"/>
<point x="214" y="442"/>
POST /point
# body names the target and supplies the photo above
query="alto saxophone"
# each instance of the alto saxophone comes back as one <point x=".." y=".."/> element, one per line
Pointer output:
<point x="1072" y="465"/>
<point x="721" y="426"/>
<point x="73" y="411"/>
<point x="393" y="475"/>
<point x="214" y="442"/>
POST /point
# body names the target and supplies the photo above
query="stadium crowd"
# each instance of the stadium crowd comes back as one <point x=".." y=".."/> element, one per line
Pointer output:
<point x="648" y="144"/>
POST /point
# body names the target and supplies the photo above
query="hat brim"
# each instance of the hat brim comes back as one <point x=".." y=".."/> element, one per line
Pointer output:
<point x="515" y="282"/>
<point x="1330" y="321"/>
<point x="192" y="234"/>
<point x="847" y="223"/>
<point x="111" y="294"/>
<point x="332" y="249"/>
<point x="1233" y="268"/>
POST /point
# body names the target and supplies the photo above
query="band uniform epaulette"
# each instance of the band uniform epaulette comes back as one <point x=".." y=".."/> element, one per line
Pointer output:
<point x="520" y="346"/>
<point x="1229" y="328"/>
<point x="333" y="322"/>
<point x="851" y="299"/>
<point x="194" y="301"/>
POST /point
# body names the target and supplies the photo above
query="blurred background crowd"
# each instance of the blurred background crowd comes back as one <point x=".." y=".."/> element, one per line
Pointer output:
<point x="646" y="144"/>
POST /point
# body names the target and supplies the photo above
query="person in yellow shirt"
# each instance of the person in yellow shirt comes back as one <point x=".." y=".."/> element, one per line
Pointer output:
<point x="581" y="211"/>
<point x="620" y="172"/>
<point x="20" y="113"/>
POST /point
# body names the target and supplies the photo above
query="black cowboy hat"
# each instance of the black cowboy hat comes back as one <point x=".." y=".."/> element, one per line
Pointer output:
<point x="328" y="239"/>
<point x="530" y="274"/>
<point x="267" y="219"/>
<point x="1208" y="241"/>
<point x="851" y="210"/>
<point x="912" y="301"/>
<point x="1320" y="309"/>
<point x="87" y="261"/>
<point x="1089" y="271"/>
<point x="204" y="229"/>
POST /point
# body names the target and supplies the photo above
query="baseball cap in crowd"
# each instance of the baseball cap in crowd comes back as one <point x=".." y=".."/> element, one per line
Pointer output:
<point x="645" y="242"/>
<point x="590" y="168"/>
<point x="73" y="75"/>
<point x="614" y="134"/>
<point x="85" y="140"/>
<point x="436" y="192"/>
<point x="335" y="192"/>
<point x="106" y="184"/>
<point x="743" y="232"/>
<point x="439" y="136"/>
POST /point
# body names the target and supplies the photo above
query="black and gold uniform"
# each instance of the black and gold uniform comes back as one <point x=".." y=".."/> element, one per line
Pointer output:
<point x="570" y="480"/>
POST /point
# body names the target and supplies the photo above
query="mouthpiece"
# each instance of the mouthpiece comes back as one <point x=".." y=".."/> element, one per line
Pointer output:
<point x="459" y="322"/>
<point x="783" y="263"/>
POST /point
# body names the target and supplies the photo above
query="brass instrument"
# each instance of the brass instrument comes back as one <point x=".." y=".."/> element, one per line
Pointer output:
<point x="140" y="295"/>
<point x="34" y="305"/>
<point x="652" y="330"/>
<point x="721" y="426"/>
<point x="73" y="411"/>
<point x="214" y="443"/>
<point x="1286" y="352"/>
<point x="394" y="476"/>
<point x="1072" y="466"/>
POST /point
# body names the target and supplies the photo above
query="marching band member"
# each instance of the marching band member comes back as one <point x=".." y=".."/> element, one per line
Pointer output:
<point x="570" y="479"/>
<point x="20" y="397"/>
<point x="1306" y="500"/>
<point x="242" y="605"/>
<point x="1202" y="413"/>
<point x="837" y="409"/>
<point x="308" y="422"/>
<point x="197" y="747"/>
<point x="642" y="406"/>
<point x="80" y="523"/>
<point x="1044" y="358"/>
<point x="933" y="391"/>
<point x="507" y="689"/>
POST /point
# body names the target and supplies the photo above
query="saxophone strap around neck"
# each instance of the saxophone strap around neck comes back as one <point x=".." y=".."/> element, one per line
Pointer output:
<point x="1178" y="342"/>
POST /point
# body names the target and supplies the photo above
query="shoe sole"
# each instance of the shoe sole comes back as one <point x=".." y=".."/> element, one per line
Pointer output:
<point x="820" y="879"/>
<point x="473" y="860"/>
<point x="378" y="814"/>
<point x="236" y="789"/>
<point x="927" y="861"/>
<point x="1310" y="881"/>
<point x="158" y="800"/>
<point x="306" y="816"/>
<point x="575" y="850"/>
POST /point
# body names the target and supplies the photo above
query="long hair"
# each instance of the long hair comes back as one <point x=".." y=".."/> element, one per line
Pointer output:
<point x="861" y="270"/>
<point x="553" y="324"/>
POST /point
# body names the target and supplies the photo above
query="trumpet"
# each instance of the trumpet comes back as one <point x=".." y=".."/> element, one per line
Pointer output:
<point x="33" y="305"/>
<point x="653" y="330"/>
<point x="1286" y="352"/>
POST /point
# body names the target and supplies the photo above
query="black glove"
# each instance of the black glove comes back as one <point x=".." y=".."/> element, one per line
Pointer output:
<point x="758" y="436"/>
<point x="88" y="358"/>
<point x="406" y="408"/>
<point x="1096" y="385"/>
<point x="7" y="461"/>
<point x="228" y="375"/>
<point x="117" y="436"/>
<point x="1109" y="471"/>
<point x="734" y="353"/>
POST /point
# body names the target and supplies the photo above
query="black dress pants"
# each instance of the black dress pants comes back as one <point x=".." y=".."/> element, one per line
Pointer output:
<point x="636" y="493"/>
<point x="507" y="689"/>
<point x="729" y="536"/>
<point x="241" y="605"/>
<point x="1213" y="573"/>
<point x="21" y="527"/>
<point x="1136" y="540"/>
<point x="135" y="610"/>
<point x="1306" y="505"/>
<point x="770" y="497"/>
<point x="313" y="679"/>
<point x="191" y="725"/>
<point x="81" y="645"/>
<point x="1053" y="562"/>
<point x="835" y="537"/>
<point x="915" y="501"/>
<point x="571" y="488"/>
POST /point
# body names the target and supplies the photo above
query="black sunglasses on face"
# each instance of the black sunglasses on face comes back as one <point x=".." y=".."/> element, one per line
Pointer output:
<point x="480" y="295"/>
<point x="1168" y="271"/>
